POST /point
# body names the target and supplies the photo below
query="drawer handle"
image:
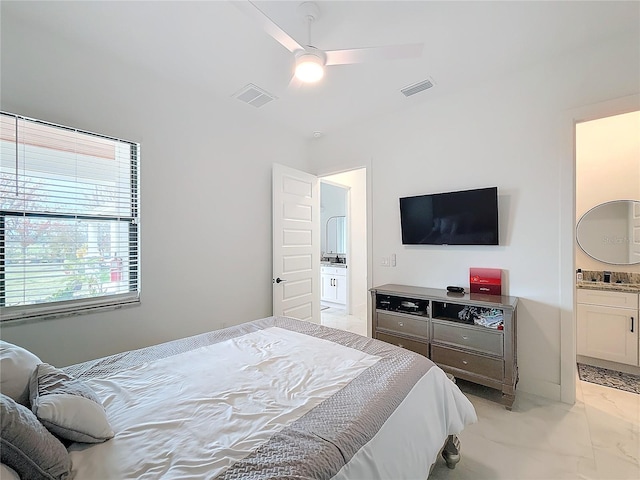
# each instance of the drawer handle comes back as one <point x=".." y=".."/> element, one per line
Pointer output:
<point x="464" y="337"/>
<point x="631" y="324"/>
<point x="400" y="324"/>
<point x="465" y="362"/>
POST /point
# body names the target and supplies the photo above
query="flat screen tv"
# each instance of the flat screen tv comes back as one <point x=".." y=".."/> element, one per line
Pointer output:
<point x="468" y="217"/>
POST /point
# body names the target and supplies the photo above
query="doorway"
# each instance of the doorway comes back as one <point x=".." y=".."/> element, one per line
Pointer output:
<point x="607" y="209"/>
<point x="352" y="314"/>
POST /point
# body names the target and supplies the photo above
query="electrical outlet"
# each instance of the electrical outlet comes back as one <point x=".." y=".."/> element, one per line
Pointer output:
<point x="393" y="259"/>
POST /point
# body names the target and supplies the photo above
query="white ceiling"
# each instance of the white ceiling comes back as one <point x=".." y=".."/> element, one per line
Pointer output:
<point x="213" y="46"/>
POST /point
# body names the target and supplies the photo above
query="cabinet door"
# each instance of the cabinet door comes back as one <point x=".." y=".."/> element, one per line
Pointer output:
<point x="340" y="283"/>
<point x="606" y="333"/>
<point x="328" y="292"/>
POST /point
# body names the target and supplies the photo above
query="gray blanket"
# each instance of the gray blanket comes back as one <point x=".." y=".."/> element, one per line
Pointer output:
<point x="321" y="442"/>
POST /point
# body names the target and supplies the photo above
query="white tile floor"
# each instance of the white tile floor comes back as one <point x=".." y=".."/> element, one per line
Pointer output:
<point x="338" y="318"/>
<point x="597" y="438"/>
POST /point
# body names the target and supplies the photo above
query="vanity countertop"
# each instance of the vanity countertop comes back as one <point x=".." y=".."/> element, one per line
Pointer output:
<point x="615" y="287"/>
<point x="333" y="264"/>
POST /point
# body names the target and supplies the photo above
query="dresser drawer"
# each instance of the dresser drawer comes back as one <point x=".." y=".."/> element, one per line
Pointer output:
<point x="407" y="326"/>
<point x="607" y="298"/>
<point x="485" y="366"/>
<point x="486" y="341"/>
<point x="421" y="348"/>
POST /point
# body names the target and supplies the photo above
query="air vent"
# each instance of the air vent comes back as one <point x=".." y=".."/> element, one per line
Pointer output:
<point x="254" y="96"/>
<point x="418" y="87"/>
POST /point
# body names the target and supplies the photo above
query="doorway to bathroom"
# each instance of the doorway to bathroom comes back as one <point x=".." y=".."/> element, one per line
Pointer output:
<point x="607" y="250"/>
<point x="343" y="219"/>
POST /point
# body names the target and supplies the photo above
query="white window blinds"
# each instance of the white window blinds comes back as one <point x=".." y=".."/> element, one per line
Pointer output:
<point x="68" y="220"/>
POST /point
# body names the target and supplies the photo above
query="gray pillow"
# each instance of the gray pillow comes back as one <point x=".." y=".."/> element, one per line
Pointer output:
<point x="68" y="407"/>
<point x="28" y="447"/>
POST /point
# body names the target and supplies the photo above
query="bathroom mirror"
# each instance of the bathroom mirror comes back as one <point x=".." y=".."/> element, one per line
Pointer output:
<point x="336" y="232"/>
<point x="610" y="232"/>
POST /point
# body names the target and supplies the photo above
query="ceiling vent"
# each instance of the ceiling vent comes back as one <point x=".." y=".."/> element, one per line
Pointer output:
<point x="254" y="96"/>
<point x="418" y="87"/>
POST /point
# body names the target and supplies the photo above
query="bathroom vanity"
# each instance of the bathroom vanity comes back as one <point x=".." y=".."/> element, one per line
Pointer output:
<point x="334" y="284"/>
<point x="607" y="322"/>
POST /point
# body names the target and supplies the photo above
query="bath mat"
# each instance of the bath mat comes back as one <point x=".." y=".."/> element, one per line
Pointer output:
<point x="609" y="378"/>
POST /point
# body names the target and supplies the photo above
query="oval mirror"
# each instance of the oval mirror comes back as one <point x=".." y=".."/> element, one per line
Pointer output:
<point x="610" y="232"/>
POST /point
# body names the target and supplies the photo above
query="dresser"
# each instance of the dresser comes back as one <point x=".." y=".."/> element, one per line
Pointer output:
<point x="471" y="336"/>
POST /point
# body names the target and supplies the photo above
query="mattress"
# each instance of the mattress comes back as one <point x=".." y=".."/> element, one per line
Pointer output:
<point x="272" y="398"/>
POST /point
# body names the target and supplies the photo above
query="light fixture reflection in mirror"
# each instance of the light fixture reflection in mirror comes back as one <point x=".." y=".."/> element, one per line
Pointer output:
<point x="610" y="232"/>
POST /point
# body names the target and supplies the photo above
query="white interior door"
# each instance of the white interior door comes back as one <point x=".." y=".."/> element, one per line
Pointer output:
<point x="296" y="244"/>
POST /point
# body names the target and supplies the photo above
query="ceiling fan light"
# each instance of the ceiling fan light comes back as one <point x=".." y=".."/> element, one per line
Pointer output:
<point x="309" y="68"/>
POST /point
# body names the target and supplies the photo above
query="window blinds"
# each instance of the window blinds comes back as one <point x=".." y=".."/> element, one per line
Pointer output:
<point x="68" y="219"/>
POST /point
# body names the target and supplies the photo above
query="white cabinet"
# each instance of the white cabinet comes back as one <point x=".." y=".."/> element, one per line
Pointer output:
<point x="334" y="285"/>
<point x="328" y="291"/>
<point x="608" y="325"/>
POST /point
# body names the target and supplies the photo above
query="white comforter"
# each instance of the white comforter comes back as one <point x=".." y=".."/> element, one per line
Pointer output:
<point x="194" y="414"/>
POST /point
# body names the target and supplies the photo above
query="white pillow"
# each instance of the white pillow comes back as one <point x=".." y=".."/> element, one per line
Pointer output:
<point x="8" y="473"/>
<point x="16" y="367"/>
<point x="68" y="407"/>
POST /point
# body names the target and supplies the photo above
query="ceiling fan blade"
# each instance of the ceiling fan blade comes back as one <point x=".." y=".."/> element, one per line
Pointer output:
<point x="252" y="11"/>
<point x="294" y="83"/>
<point x="373" y="54"/>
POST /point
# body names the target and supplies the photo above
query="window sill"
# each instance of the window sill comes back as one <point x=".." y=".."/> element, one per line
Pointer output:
<point x="17" y="319"/>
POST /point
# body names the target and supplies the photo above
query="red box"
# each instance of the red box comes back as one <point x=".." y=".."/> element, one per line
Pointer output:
<point x="485" y="280"/>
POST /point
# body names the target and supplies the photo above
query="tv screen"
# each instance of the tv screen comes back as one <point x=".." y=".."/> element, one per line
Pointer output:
<point x="468" y="217"/>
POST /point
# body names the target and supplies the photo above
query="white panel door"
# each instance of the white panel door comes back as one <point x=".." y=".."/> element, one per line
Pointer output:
<point x="296" y="244"/>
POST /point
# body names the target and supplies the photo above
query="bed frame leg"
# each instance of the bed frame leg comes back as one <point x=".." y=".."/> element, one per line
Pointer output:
<point x="451" y="451"/>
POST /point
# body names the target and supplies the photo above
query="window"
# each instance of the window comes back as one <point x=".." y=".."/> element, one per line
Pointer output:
<point x="68" y="220"/>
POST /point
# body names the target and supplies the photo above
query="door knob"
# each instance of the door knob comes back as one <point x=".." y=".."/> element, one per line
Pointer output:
<point x="279" y="280"/>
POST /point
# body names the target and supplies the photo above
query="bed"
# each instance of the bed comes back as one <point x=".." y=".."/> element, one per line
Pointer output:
<point x="271" y="398"/>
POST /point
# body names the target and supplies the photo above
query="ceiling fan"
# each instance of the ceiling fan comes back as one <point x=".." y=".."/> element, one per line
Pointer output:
<point x="310" y="61"/>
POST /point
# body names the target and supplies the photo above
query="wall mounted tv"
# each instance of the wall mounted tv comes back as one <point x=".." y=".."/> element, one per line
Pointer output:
<point x="468" y="217"/>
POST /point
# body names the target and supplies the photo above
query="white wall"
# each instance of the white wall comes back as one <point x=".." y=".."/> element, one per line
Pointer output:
<point x="514" y="132"/>
<point x="205" y="180"/>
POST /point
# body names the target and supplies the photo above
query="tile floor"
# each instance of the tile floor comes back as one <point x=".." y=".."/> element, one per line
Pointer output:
<point x="338" y="318"/>
<point x="597" y="438"/>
